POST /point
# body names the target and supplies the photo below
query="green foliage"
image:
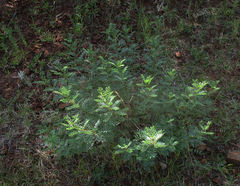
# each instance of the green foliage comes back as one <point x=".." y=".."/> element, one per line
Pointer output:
<point x="109" y="105"/>
<point x="12" y="54"/>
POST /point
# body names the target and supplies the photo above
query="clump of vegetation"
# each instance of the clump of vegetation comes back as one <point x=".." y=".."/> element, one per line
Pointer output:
<point x="138" y="117"/>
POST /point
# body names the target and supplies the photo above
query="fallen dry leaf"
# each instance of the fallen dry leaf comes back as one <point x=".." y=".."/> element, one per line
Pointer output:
<point x="34" y="105"/>
<point x="46" y="53"/>
<point x="8" y="89"/>
<point x="26" y="71"/>
<point x="7" y="96"/>
<point x="217" y="180"/>
<point x="204" y="161"/>
<point x="37" y="22"/>
<point x="96" y="37"/>
<point x="62" y="106"/>
<point x="35" y="155"/>
<point x="46" y="23"/>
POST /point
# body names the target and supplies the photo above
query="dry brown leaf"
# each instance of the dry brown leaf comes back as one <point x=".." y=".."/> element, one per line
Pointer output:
<point x="46" y="53"/>
<point x="96" y="37"/>
<point x="217" y="180"/>
<point x="204" y="161"/>
<point x="26" y="71"/>
<point x="34" y="105"/>
<point x="7" y="96"/>
<point x="62" y="106"/>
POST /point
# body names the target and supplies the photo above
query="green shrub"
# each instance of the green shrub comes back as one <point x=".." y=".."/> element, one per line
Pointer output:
<point x="111" y="106"/>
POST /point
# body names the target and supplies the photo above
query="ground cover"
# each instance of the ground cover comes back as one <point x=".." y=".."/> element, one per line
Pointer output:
<point x="199" y="39"/>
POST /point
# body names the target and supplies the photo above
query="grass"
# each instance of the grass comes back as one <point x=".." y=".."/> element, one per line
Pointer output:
<point x="206" y="33"/>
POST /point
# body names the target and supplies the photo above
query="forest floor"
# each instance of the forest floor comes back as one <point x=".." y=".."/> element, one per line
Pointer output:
<point x="201" y="41"/>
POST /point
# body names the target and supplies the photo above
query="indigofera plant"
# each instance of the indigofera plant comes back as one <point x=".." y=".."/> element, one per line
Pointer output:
<point x="141" y="117"/>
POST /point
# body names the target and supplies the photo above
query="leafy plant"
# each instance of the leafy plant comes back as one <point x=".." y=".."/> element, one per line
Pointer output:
<point x="141" y="117"/>
<point x="12" y="53"/>
<point x="47" y="37"/>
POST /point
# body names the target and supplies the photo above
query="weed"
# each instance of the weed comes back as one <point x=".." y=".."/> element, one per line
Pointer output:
<point x="143" y="106"/>
<point x="47" y="37"/>
<point x="11" y="50"/>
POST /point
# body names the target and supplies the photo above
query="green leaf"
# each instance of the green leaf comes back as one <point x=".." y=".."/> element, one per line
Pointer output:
<point x="107" y="116"/>
<point x="159" y="145"/>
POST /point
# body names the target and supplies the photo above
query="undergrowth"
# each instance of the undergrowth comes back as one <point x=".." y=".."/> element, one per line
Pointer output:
<point x="109" y="105"/>
<point x="124" y="104"/>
